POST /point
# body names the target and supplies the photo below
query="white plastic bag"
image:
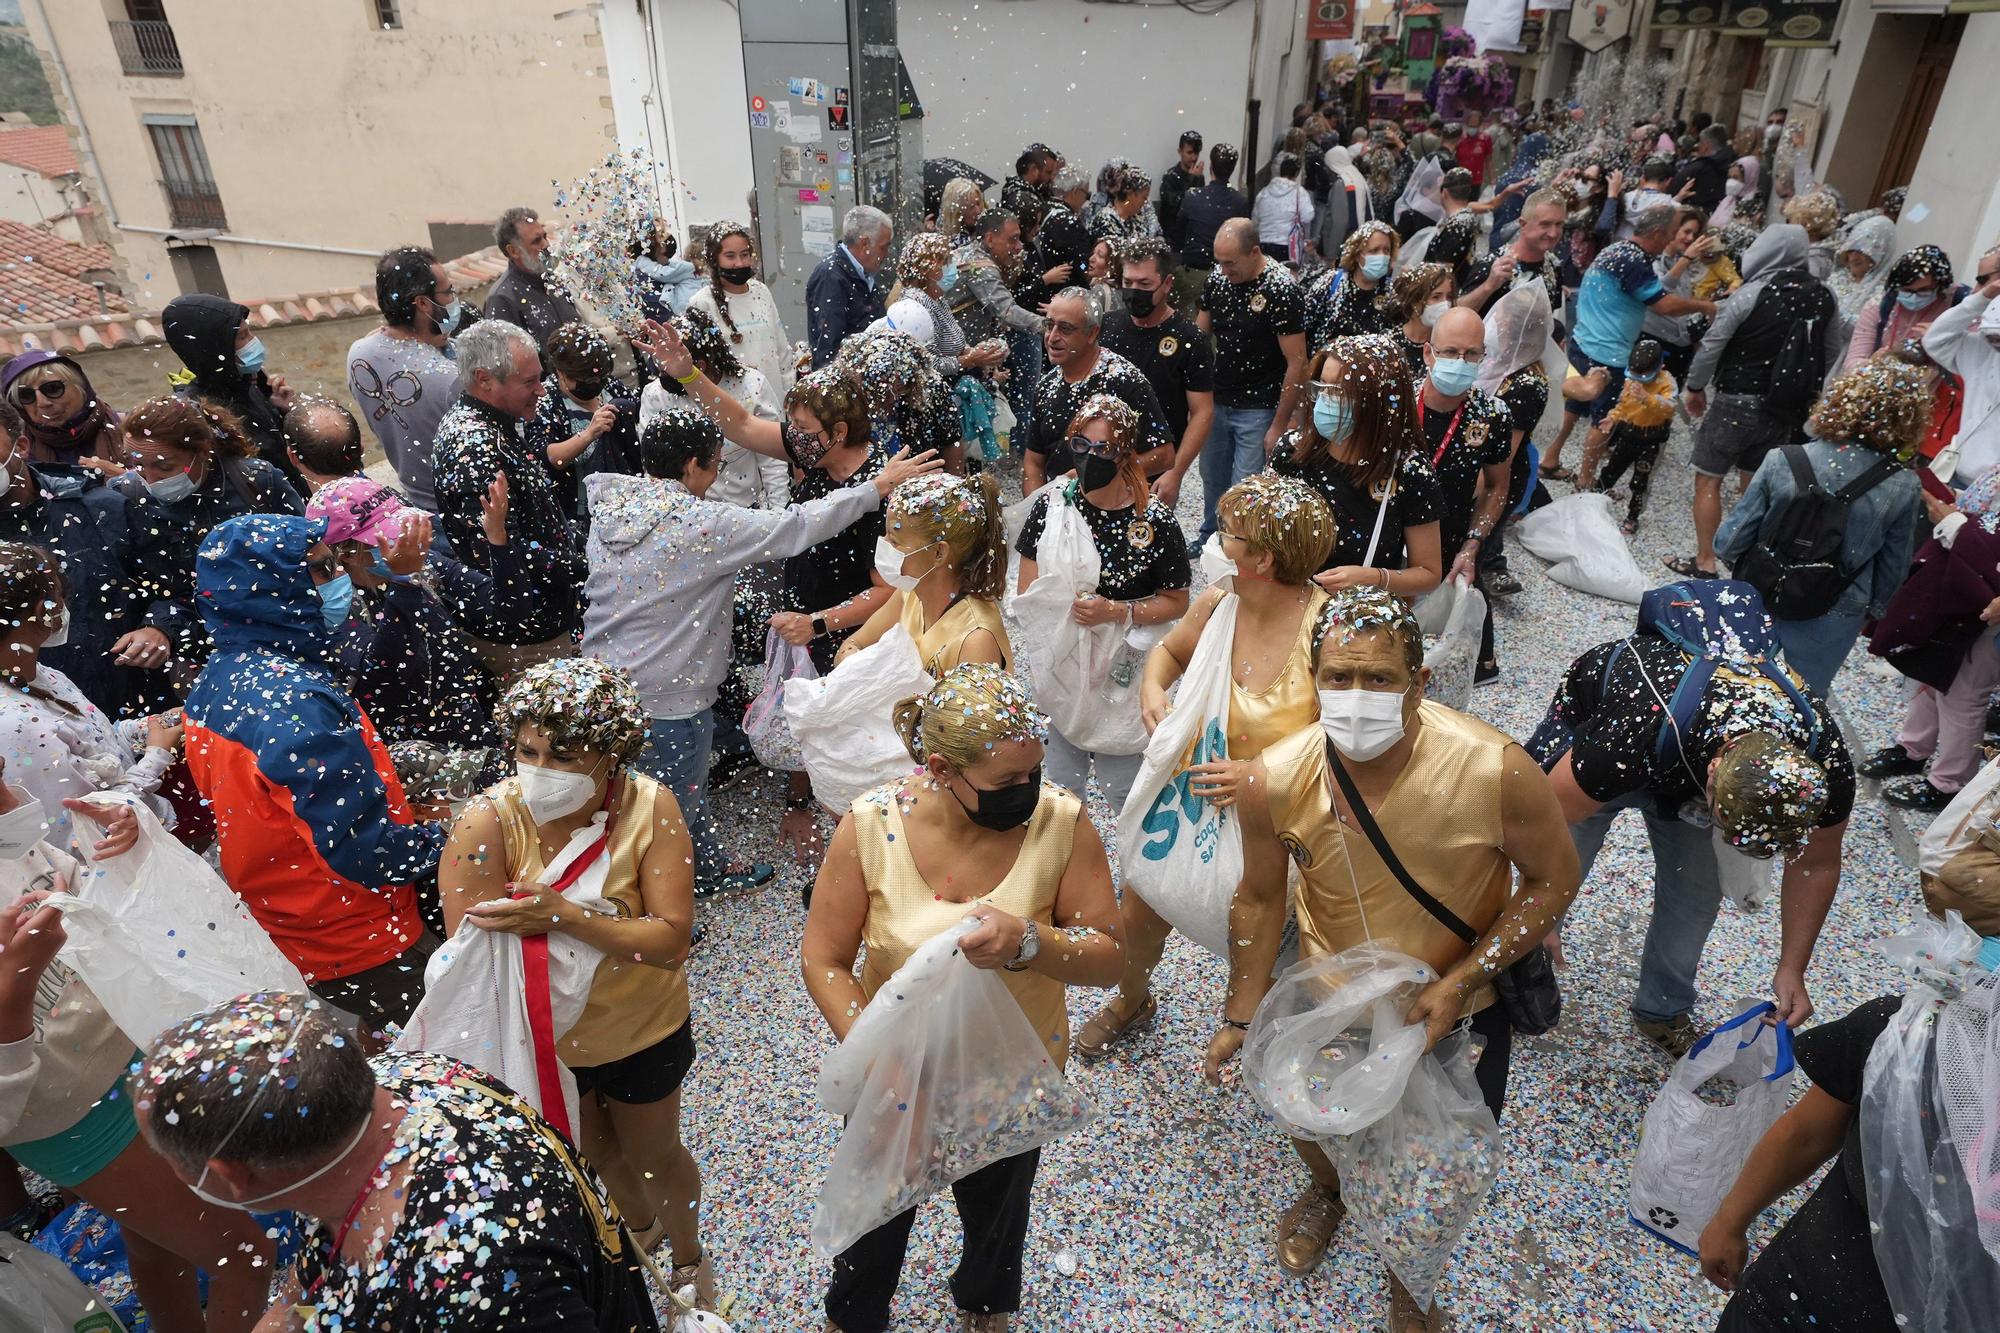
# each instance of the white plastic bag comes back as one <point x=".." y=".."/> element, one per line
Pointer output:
<point x="1183" y="854"/>
<point x="1976" y="806"/>
<point x="1414" y="250"/>
<point x="941" y="1075"/>
<point x="157" y="935"/>
<point x="1328" y="1052"/>
<point x="764" y="720"/>
<point x="1579" y="535"/>
<point x="1691" y="1148"/>
<point x="475" y="1005"/>
<point x="1451" y="615"/>
<point x="841" y="720"/>
<point x="38" y="1294"/>
<point x="1424" y="194"/>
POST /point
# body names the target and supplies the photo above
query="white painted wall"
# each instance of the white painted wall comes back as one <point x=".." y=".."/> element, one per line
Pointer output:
<point x="28" y="196"/>
<point x="1958" y="177"/>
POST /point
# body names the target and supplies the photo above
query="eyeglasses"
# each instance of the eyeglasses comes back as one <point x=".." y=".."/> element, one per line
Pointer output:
<point x="1985" y="276"/>
<point x="1065" y="326"/>
<point x="49" y="389"/>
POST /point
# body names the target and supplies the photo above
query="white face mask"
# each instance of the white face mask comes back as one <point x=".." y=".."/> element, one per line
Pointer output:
<point x="1215" y="566"/>
<point x="251" y="1205"/>
<point x="22" y="827"/>
<point x="1361" y="723"/>
<point x="889" y="564"/>
<point x="1435" y="312"/>
<point x="1732" y="188"/>
<point x="551" y="793"/>
<point x="1745" y="879"/>
<point x="60" y="634"/>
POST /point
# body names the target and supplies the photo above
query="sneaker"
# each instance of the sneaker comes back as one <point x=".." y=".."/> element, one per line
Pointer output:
<point x="1502" y="583"/>
<point x="737" y="881"/>
<point x="1106" y="1030"/>
<point x="1917" y="794"/>
<point x="1672" y="1038"/>
<point x="1306" y="1230"/>
<point x="1891" y="761"/>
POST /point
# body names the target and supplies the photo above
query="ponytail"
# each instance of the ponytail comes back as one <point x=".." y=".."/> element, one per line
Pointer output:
<point x="984" y="573"/>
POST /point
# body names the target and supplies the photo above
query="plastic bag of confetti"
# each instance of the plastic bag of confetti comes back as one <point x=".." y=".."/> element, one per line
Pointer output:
<point x="1579" y="536"/>
<point x="1328" y="1052"/>
<point x="941" y="1075"/>
<point x="43" y="1296"/>
<point x="764" y="720"/>
<point x="1691" y="1149"/>
<point x="158" y="936"/>
<point x="1414" y="1180"/>
<point x="841" y="720"/>
<point x="1451" y="616"/>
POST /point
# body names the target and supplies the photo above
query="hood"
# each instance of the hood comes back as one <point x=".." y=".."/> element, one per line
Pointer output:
<point x="1776" y="249"/>
<point x="253" y="589"/>
<point x="1751" y="167"/>
<point x="625" y="510"/>
<point x="40" y="356"/>
<point x="202" y="331"/>
<point x="1873" y="237"/>
<point x="1281" y="186"/>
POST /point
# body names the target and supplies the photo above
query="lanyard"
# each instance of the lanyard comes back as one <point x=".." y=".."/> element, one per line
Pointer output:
<point x="1451" y="431"/>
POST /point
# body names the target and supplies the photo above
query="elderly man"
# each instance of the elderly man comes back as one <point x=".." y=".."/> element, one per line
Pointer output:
<point x="400" y="375"/>
<point x="1309" y="800"/>
<point x="482" y="439"/>
<point x="1256" y="312"/>
<point x="1080" y="367"/>
<point x="841" y="296"/>
<point x="522" y="296"/>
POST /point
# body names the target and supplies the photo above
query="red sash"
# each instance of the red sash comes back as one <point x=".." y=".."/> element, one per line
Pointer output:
<point x="541" y="1017"/>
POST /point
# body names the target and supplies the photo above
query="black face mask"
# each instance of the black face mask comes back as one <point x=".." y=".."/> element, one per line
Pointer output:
<point x="585" y="390"/>
<point x="739" y="277"/>
<point x="1095" y="472"/>
<point x="1003" y="808"/>
<point x="1140" y="303"/>
<point x="669" y="247"/>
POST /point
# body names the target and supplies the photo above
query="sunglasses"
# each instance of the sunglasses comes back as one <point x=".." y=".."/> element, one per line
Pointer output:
<point x="1984" y="276"/>
<point x="49" y="389"/>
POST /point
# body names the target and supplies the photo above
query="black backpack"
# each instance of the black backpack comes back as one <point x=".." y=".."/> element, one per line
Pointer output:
<point x="1796" y="564"/>
<point x="1799" y="367"/>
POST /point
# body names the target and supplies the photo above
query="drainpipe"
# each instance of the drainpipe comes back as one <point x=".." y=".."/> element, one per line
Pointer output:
<point x="76" y="109"/>
<point x="213" y="237"/>
<point x="1252" y="103"/>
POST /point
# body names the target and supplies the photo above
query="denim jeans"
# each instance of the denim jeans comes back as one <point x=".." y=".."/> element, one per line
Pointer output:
<point x="1815" y="648"/>
<point x="676" y="755"/>
<point x="1068" y="766"/>
<point x="1235" y="450"/>
<point x="1687" y="892"/>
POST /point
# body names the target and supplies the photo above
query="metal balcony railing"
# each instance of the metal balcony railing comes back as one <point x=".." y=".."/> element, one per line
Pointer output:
<point x="147" y="47"/>
<point x="194" y="206"/>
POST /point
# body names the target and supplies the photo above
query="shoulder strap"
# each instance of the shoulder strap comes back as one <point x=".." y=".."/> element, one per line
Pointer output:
<point x="1444" y="915"/>
<point x="1802" y="473"/>
<point x="1884" y="469"/>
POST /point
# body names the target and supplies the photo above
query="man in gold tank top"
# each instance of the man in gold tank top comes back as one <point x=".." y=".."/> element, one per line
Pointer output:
<point x="1463" y="808"/>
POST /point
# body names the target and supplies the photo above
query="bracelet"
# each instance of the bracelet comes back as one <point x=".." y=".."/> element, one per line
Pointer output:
<point x="1384" y="578"/>
<point x="687" y="379"/>
<point x="798" y="803"/>
<point x="1233" y="1023"/>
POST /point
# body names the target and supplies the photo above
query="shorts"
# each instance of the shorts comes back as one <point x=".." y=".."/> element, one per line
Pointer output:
<point x="1604" y="402"/>
<point x="384" y="994"/>
<point x="1736" y="432"/>
<point x="643" y="1077"/>
<point x="87" y="1147"/>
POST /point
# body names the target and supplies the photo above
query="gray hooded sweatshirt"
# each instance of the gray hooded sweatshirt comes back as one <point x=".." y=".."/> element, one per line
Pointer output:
<point x="1776" y="249"/>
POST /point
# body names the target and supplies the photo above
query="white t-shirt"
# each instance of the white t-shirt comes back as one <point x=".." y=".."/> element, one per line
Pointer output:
<point x="765" y="348"/>
<point x="746" y="478"/>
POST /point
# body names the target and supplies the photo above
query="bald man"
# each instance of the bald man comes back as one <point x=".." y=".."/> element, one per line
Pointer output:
<point x="1471" y="448"/>
<point x="1256" y="312"/>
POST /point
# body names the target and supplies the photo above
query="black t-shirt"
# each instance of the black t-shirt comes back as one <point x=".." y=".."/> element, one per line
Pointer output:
<point x="1338" y="306"/>
<point x="1616" y="726"/>
<point x="1483" y="436"/>
<point x="1247" y="320"/>
<point x="1057" y="399"/>
<point x="1453" y="243"/>
<point x="1174" y="356"/>
<point x="1412" y="503"/>
<point x="839" y="567"/>
<point x="1135" y="560"/>
<point x="503" y="1226"/>
<point x="1818" y="1274"/>
<point x="1525" y="395"/>
<point x="1549" y="271"/>
<point x="1413" y="355"/>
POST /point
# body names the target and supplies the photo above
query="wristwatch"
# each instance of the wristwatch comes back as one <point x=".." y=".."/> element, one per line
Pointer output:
<point x="819" y="626"/>
<point x="1031" y="944"/>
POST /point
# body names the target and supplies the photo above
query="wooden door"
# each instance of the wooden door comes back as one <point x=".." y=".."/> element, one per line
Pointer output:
<point x="1920" y="101"/>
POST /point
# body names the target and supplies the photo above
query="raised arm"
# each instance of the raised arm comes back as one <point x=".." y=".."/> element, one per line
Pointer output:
<point x="738" y="423"/>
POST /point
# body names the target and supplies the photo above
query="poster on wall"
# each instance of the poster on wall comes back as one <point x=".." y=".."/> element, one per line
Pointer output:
<point x="1598" y="23"/>
<point x="1330" y="21"/>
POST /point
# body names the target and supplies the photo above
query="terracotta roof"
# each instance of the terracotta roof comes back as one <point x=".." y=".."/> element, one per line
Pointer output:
<point x="82" y="331"/>
<point x="42" y="276"/>
<point x="45" y="148"/>
<point x="1423" y="11"/>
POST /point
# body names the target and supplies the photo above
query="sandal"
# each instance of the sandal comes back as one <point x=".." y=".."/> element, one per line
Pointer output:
<point x="1556" y="472"/>
<point x="1685" y="566"/>
<point x="1105" y="1031"/>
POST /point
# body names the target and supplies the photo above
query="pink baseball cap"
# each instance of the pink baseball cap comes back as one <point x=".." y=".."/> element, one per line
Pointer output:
<point x="357" y="510"/>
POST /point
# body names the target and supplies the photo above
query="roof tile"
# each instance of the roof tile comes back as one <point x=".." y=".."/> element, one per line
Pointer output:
<point x="44" y="148"/>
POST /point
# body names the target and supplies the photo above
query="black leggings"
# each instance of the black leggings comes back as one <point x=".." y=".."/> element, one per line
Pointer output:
<point x="993" y="1209"/>
<point x="1638" y="449"/>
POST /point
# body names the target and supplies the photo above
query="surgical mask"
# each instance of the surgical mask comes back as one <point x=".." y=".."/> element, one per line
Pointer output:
<point x="551" y="793"/>
<point x="1375" y="267"/>
<point x="379" y="567"/>
<point x="251" y="1205"/>
<point x="1095" y="472"/>
<point x="1361" y="723"/>
<point x="336" y="599"/>
<point x="1435" y="312"/>
<point x="60" y="634"/>
<point x="250" y="356"/>
<point x="1915" y="300"/>
<point x="1138" y="302"/>
<point x="1215" y="566"/>
<point x="168" y="490"/>
<point x="948" y="276"/>
<point x="1453" y="375"/>
<point x="1745" y="879"/>
<point x="448" y="318"/>
<point x="1003" y="808"/>
<point x="737" y="275"/>
<point x="22" y="827"/>
<point x="889" y="564"/>
<point x="1646" y="378"/>
<point x="1732" y="188"/>
<point x="1333" y="418"/>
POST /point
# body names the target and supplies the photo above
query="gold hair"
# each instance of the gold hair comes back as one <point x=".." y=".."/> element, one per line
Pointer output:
<point x="1285" y="517"/>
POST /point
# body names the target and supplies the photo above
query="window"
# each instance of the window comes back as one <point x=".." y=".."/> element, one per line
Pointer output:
<point x="145" y="42"/>
<point x="388" y="14"/>
<point x="192" y="198"/>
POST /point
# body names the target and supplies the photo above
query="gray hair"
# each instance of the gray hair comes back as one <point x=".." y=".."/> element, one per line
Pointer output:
<point x="508" y="229"/>
<point x="1092" y="316"/>
<point x="1069" y="180"/>
<point x="863" y="221"/>
<point x="489" y="346"/>
<point x="1658" y="218"/>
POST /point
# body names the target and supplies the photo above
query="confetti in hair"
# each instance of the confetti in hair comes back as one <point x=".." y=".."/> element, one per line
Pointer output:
<point x="581" y="702"/>
<point x="889" y="363"/>
<point x="1285" y="517"/>
<point x="1768" y="795"/>
<point x="1883" y="404"/>
<point x="971" y="710"/>
<point x="1114" y="412"/>
<point x="1366" y="610"/>
<point x="923" y="259"/>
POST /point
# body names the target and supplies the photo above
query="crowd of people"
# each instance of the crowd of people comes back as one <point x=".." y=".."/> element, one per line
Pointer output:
<point x="492" y="698"/>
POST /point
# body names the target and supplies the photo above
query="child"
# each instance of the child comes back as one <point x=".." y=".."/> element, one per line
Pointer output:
<point x="1633" y="430"/>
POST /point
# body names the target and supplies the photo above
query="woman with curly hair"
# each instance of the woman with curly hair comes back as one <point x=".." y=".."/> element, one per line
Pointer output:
<point x="1415" y="301"/>
<point x="908" y="402"/>
<point x="1865" y="430"/>
<point x="743" y="307"/>
<point x="1918" y="288"/>
<point x="1124" y="212"/>
<point x="1342" y="303"/>
<point x="578" y="817"/>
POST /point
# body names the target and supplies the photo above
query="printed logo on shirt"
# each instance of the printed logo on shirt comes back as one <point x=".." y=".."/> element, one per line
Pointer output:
<point x="1170" y="344"/>
<point x="1258" y="302"/>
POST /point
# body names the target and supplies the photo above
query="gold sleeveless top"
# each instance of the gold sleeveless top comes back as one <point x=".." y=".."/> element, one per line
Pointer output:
<point x="938" y="647"/>
<point x="904" y="911"/>
<point x="632" y="1005"/>
<point x="1260" y="719"/>
<point x="1443" y="818"/>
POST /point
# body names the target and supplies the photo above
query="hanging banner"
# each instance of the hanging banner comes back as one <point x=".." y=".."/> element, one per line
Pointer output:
<point x="1598" y="23"/>
<point x="1782" y="22"/>
<point x="1672" y="15"/>
<point x="1330" y="21"/>
<point x="1495" y="25"/>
